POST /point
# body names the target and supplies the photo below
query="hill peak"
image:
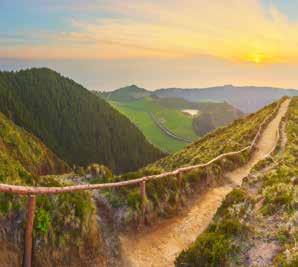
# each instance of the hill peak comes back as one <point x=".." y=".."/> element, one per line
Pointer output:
<point x="127" y="93"/>
<point x="132" y="87"/>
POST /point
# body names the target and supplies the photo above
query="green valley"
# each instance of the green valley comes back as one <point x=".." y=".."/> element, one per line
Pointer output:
<point x="141" y="111"/>
<point x="169" y="123"/>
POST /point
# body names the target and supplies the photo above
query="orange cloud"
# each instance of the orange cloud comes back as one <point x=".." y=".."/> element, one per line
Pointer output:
<point x="235" y="30"/>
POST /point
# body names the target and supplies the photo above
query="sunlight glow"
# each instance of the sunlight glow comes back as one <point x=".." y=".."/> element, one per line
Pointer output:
<point x="241" y="31"/>
<point x="258" y="58"/>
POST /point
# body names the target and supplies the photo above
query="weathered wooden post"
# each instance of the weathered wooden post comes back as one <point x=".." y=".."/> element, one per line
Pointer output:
<point x="27" y="260"/>
<point x="179" y="180"/>
<point x="144" y="199"/>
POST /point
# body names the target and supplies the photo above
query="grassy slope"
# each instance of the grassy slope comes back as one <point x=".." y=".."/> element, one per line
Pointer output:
<point x="217" y="114"/>
<point x="151" y="131"/>
<point x="231" y="138"/>
<point x="124" y="94"/>
<point x="164" y="197"/>
<point x="22" y="158"/>
<point x="168" y="111"/>
<point x="179" y="123"/>
<point x="22" y="153"/>
<point x="262" y="211"/>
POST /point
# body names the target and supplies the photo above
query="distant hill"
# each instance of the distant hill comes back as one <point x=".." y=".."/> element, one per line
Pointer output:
<point x="248" y="99"/>
<point x="212" y="114"/>
<point x="124" y="94"/>
<point x="169" y="123"/>
<point x="78" y="127"/>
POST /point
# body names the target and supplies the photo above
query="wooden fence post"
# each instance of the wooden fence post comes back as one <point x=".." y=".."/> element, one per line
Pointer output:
<point x="27" y="260"/>
<point x="144" y="199"/>
<point x="179" y="179"/>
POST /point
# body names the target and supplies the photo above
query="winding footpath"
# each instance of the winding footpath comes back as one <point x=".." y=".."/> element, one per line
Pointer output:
<point x="159" y="245"/>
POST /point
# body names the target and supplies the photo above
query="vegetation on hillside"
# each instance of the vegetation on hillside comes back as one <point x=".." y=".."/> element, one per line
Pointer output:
<point x="61" y="221"/>
<point x="234" y="137"/>
<point x="140" y="112"/>
<point x="147" y="112"/>
<point x="23" y="155"/>
<point x="259" y="220"/>
<point x="124" y="94"/>
<point x="164" y="196"/>
<point x="78" y="127"/>
<point x="203" y="124"/>
<point x="221" y="112"/>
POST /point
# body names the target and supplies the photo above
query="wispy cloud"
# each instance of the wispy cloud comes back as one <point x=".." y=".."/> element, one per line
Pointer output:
<point x="234" y="30"/>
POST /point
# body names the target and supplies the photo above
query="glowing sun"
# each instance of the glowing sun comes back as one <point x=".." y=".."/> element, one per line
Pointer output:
<point x="257" y="58"/>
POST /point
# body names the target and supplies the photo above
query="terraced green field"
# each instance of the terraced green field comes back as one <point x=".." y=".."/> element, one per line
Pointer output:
<point x="139" y="111"/>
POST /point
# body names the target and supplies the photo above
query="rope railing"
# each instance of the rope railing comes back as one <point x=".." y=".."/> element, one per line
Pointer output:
<point x="33" y="191"/>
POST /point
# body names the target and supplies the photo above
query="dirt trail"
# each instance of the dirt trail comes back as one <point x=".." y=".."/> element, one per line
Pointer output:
<point x="159" y="246"/>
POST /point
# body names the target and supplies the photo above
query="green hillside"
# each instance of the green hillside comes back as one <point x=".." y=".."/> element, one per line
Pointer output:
<point x="23" y="158"/>
<point x="124" y="94"/>
<point x="211" y="114"/>
<point x="140" y="112"/>
<point x="148" y="112"/>
<point x="257" y="223"/>
<point x="164" y="196"/>
<point x="231" y="138"/>
<point x="78" y="127"/>
<point x="23" y="155"/>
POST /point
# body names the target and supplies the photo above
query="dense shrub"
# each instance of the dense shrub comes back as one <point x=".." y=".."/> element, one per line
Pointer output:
<point x="210" y="249"/>
<point x="230" y="227"/>
<point x="288" y="258"/>
<point x="236" y="196"/>
<point x="42" y="221"/>
<point x="278" y="195"/>
<point x="134" y="199"/>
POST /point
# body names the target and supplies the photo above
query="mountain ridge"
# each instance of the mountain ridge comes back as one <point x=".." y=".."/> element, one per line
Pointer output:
<point x="246" y="98"/>
<point x="78" y="127"/>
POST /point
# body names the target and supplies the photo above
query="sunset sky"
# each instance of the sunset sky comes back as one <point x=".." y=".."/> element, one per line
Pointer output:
<point x="106" y="44"/>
